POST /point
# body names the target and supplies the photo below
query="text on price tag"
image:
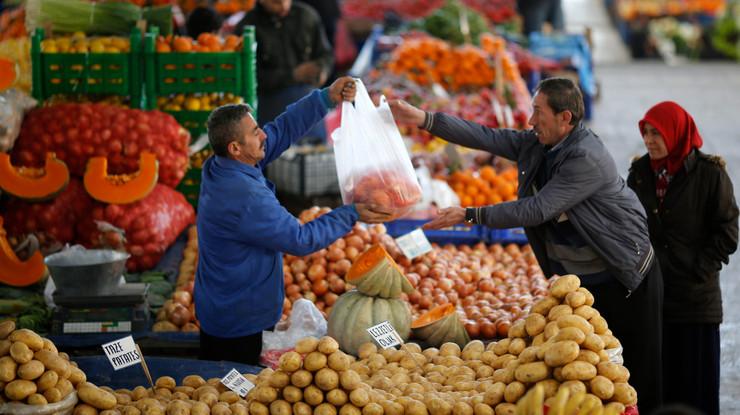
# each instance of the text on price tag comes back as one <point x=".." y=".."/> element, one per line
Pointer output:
<point x="122" y="353"/>
<point x="237" y="383"/>
<point x="385" y="335"/>
<point x="414" y="244"/>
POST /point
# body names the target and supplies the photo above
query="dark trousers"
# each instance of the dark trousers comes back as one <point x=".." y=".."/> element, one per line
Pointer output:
<point x="536" y="12"/>
<point x="691" y="365"/>
<point x="245" y="349"/>
<point x="637" y="322"/>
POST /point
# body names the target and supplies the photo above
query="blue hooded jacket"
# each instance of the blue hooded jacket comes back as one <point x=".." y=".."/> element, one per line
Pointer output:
<point x="243" y="231"/>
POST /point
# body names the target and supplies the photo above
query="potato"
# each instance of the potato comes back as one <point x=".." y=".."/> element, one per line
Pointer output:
<point x="482" y="409"/>
<point x="594" y="343"/>
<point x="162" y="393"/>
<point x="599" y="324"/>
<point x="501" y="347"/>
<point x="238" y="409"/>
<point x="186" y="390"/>
<point x="222" y="408"/>
<point x="324" y="409"/>
<point x="450" y="349"/>
<point x="279" y="407"/>
<point x="532" y="372"/>
<point x="208" y="398"/>
<point x="290" y="362"/>
<point x="177" y="407"/>
<point x="575" y="299"/>
<point x="77" y="376"/>
<point x="624" y="393"/>
<point x="124" y="399"/>
<point x="613" y="372"/>
<point x="616" y="407"/>
<point x="575" y="321"/>
<point x="96" y="397"/>
<point x="588" y="356"/>
<point x="175" y="396"/>
<point x="514" y="391"/>
<point x="31" y="339"/>
<point x="327" y="345"/>
<point x="8" y="368"/>
<point x="561" y="353"/>
<point x="167" y="382"/>
<point x="337" y="397"/>
<point x="139" y="393"/>
<point x="339" y="361"/>
<point x="229" y="397"/>
<point x="194" y="381"/>
<point x="349" y="409"/>
<point x="579" y="370"/>
<point x="30" y="370"/>
<point x="602" y="387"/>
<point x="20" y="352"/>
<point x="359" y="397"/>
<point x="586" y="311"/>
<point x="494" y="394"/>
<point x="570" y="333"/>
<point x="575" y="386"/>
<point x="257" y="408"/>
<point x="299" y="408"/>
<point x="110" y="412"/>
<point x="505" y="409"/>
<point x="610" y="342"/>
<point x="505" y="375"/>
<point x="292" y="394"/>
<point x="5" y="347"/>
<point x="350" y="380"/>
<point x="534" y="324"/>
<point x="20" y="389"/>
<point x="558" y="311"/>
<point x="461" y="408"/>
<point x="518" y="330"/>
<point x="265" y="394"/>
<point x="564" y="285"/>
<point x="366" y="350"/>
<point x="53" y="362"/>
<point x="313" y="396"/>
<point x="326" y="379"/>
<point x="538" y="340"/>
<point x="589" y="296"/>
<point x="544" y="305"/>
<point x="279" y="379"/>
<point x="604" y="356"/>
<point x="301" y="378"/>
<point x="306" y="345"/>
<point x="550" y="386"/>
<point x="84" y="409"/>
<point x="37" y="399"/>
<point x="314" y="361"/>
<point x="64" y="386"/>
<point x="132" y="410"/>
<point x="6" y="327"/>
<point x="52" y="394"/>
<point x="372" y="409"/>
<point x="516" y="346"/>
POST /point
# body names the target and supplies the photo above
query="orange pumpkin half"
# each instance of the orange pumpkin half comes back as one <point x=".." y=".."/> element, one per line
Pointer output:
<point x="33" y="184"/>
<point x="376" y="274"/>
<point x="15" y="272"/>
<point x="123" y="188"/>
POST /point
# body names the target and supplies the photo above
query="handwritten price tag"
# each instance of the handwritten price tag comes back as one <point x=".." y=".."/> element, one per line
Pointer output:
<point x="122" y="353"/>
<point x="237" y="383"/>
<point x="385" y="335"/>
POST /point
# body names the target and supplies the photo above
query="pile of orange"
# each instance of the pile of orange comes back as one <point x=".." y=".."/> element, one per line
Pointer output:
<point x="428" y="60"/>
<point x="206" y="42"/>
<point x="486" y="187"/>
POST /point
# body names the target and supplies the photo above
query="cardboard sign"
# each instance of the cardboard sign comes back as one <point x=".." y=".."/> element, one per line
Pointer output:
<point x="385" y="335"/>
<point x="237" y="383"/>
<point x="414" y="244"/>
<point x="122" y="353"/>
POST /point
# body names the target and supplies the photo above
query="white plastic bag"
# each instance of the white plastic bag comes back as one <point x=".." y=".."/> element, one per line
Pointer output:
<point x="13" y="104"/>
<point x="373" y="165"/>
<point x="305" y="320"/>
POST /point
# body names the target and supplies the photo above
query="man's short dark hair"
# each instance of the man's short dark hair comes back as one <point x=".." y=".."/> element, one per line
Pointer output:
<point x="563" y="95"/>
<point x="224" y="126"/>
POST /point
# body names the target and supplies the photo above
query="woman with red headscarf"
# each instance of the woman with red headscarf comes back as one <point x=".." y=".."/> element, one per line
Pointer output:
<point x="693" y="223"/>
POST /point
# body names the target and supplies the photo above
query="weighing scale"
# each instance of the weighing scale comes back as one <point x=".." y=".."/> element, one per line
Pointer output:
<point x="91" y="295"/>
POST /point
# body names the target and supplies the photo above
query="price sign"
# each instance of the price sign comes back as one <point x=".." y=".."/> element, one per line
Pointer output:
<point x="414" y="244"/>
<point x="237" y="383"/>
<point x="385" y="335"/>
<point x="122" y="353"/>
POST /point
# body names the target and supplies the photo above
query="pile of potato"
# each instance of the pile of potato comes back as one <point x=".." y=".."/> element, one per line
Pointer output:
<point x="321" y="383"/>
<point x="194" y="396"/>
<point x="32" y="371"/>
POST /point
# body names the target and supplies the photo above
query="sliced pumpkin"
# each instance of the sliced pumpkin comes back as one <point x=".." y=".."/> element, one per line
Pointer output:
<point x="34" y="184"/>
<point x="121" y="189"/>
<point x="15" y="272"/>
<point x="376" y="274"/>
<point x="440" y="325"/>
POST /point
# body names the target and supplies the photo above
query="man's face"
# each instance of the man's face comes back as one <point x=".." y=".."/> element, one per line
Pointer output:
<point x="277" y="7"/>
<point x="250" y="147"/>
<point x="550" y="127"/>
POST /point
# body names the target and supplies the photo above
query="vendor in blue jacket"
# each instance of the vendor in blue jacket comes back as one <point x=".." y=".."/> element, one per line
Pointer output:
<point x="579" y="216"/>
<point x="243" y="230"/>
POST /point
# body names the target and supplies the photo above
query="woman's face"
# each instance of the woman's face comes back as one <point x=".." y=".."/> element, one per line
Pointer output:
<point x="654" y="142"/>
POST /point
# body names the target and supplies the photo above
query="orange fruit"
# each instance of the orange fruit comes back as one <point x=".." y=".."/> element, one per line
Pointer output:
<point x="493" y="198"/>
<point x="466" y="201"/>
<point x="163" y="47"/>
<point x="480" y="200"/>
<point x="487" y="173"/>
<point x="471" y="190"/>
<point x="183" y="44"/>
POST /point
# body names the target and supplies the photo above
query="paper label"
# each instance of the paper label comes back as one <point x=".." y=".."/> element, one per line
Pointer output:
<point x="414" y="244"/>
<point x="385" y="335"/>
<point x="237" y="383"/>
<point x="122" y="353"/>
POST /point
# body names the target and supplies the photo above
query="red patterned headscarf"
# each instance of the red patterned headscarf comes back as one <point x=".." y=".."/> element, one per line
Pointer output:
<point x="679" y="133"/>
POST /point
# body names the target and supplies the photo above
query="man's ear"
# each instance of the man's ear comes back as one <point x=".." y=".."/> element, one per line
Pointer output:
<point x="566" y="116"/>
<point x="233" y="148"/>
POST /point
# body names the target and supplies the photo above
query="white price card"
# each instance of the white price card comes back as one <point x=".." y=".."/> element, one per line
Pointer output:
<point x="414" y="244"/>
<point x="122" y="353"/>
<point x="385" y="335"/>
<point x="237" y="383"/>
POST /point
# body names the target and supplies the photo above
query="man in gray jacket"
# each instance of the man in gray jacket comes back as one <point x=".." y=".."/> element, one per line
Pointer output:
<point x="578" y="213"/>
